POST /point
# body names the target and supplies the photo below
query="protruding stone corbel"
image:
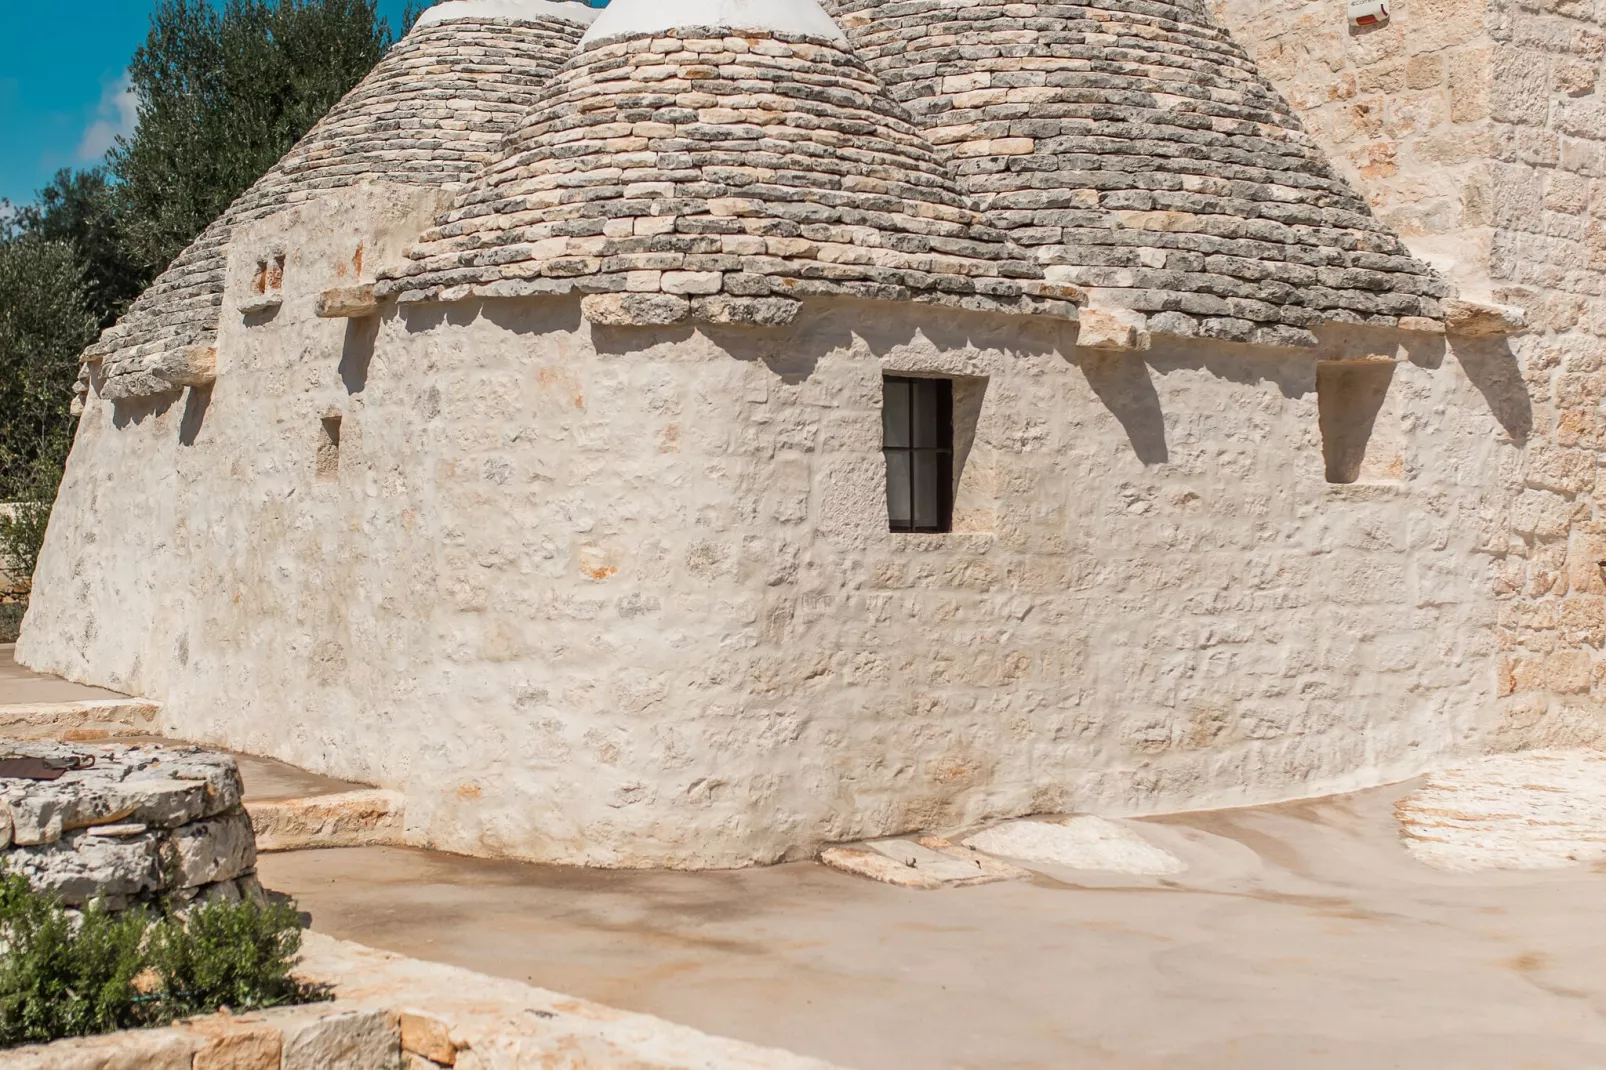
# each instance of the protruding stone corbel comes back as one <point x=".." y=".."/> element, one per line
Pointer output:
<point x="1474" y="319"/>
<point x="1103" y="328"/>
<point x="635" y="309"/>
<point x="1421" y="325"/>
<point x="192" y="366"/>
<point x="261" y="303"/>
<point x="348" y="303"/>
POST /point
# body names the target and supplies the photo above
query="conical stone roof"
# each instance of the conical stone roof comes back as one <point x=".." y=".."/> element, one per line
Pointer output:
<point x="722" y="174"/>
<point x="1135" y="149"/>
<point x="432" y="111"/>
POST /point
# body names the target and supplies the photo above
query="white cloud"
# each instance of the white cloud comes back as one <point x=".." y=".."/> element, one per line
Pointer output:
<point x="115" y="116"/>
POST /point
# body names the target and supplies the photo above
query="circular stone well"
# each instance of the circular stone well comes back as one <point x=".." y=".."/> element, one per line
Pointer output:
<point x="144" y="824"/>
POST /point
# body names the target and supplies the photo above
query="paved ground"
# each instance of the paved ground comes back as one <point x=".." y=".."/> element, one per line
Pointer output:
<point x="19" y="685"/>
<point x="1303" y="936"/>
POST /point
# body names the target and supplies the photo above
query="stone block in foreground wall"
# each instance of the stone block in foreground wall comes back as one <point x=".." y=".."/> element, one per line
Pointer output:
<point x="139" y="825"/>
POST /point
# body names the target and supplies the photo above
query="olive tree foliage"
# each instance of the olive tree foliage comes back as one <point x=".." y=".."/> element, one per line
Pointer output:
<point x="224" y="91"/>
<point x="80" y="209"/>
<point x="45" y="322"/>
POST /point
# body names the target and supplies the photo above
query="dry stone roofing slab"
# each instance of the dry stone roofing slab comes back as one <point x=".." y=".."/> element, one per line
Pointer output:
<point x="433" y="111"/>
<point x="1136" y="150"/>
<point x="720" y="176"/>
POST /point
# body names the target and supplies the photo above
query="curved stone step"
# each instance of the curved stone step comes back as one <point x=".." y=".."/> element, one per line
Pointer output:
<point x="368" y="818"/>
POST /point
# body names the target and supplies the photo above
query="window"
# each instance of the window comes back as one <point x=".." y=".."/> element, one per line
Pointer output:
<point x="917" y="418"/>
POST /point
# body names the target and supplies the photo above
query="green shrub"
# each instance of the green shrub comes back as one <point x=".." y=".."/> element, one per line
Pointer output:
<point x="61" y="979"/>
<point x="22" y="536"/>
<point x="11" y="614"/>
<point x="235" y="955"/>
<point x="68" y="975"/>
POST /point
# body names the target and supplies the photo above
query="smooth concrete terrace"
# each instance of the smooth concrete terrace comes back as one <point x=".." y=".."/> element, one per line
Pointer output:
<point x="1302" y="937"/>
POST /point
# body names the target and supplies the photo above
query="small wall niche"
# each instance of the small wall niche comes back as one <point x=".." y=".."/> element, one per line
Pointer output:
<point x="1361" y="443"/>
<point x="269" y="276"/>
<point x="327" y="464"/>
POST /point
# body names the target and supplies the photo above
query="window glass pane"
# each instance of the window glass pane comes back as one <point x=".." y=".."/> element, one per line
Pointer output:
<point x="926" y="422"/>
<point x="895" y="412"/>
<point x="899" y="511"/>
<point x="927" y="491"/>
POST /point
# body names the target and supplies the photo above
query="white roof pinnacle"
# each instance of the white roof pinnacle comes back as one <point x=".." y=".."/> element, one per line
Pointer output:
<point x="510" y="10"/>
<point x="628" y="17"/>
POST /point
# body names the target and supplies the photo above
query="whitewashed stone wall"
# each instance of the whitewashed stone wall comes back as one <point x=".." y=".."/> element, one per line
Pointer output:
<point x="1478" y="129"/>
<point x="625" y="596"/>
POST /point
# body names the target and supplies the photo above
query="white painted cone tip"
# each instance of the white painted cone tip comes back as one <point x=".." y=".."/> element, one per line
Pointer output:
<point x="631" y="17"/>
<point x="508" y="10"/>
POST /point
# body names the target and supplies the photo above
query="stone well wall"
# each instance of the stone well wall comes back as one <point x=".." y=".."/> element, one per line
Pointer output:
<point x="144" y="824"/>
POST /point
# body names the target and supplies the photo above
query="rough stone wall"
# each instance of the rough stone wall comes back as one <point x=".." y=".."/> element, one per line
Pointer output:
<point x="626" y="597"/>
<point x="1548" y="171"/>
<point x="1402" y="110"/>
<point x="1479" y="131"/>
<point x="141" y="825"/>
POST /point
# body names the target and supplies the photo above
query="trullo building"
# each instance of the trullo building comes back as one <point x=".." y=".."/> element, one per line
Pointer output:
<point x="698" y="431"/>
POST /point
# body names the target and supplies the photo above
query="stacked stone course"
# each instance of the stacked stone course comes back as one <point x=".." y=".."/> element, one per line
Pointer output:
<point x="725" y="178"/>
<point x="433" y="111"/>
<point x="142" y="825"/>
<point x="1135" y="149"/>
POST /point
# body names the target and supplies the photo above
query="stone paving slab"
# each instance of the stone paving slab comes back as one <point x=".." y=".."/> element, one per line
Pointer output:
<point x="372" y="817"/>
<point x="80" y="721"/>
<point x="1537" y="810"/>
<point x="924" y="862"/>
<point x="1081" y="841"/>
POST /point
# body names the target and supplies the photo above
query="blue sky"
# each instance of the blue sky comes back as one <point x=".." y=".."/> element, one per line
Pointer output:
<point x="61" y="70"/>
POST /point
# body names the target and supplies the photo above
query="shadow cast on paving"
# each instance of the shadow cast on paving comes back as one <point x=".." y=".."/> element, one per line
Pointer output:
<point x="1301" y="936"/>
<point x="20" y="685"/>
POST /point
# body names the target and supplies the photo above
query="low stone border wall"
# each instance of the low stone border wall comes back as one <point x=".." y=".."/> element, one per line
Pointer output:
<point x="324" y="1036"/>
<point x="396" y="1013"/>
<point x="143" y="823"/>
<point x="87" y="721"/>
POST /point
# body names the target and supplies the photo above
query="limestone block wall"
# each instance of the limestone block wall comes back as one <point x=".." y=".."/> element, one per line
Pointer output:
<point x="1403" y="110"/>
<point x="1549" y="256"/>
<point x="1478" y="128"/>
<point x="624" y="596"/>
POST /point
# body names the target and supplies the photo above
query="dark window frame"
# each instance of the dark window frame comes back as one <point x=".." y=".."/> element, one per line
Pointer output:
<point x="925" y="453"/>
